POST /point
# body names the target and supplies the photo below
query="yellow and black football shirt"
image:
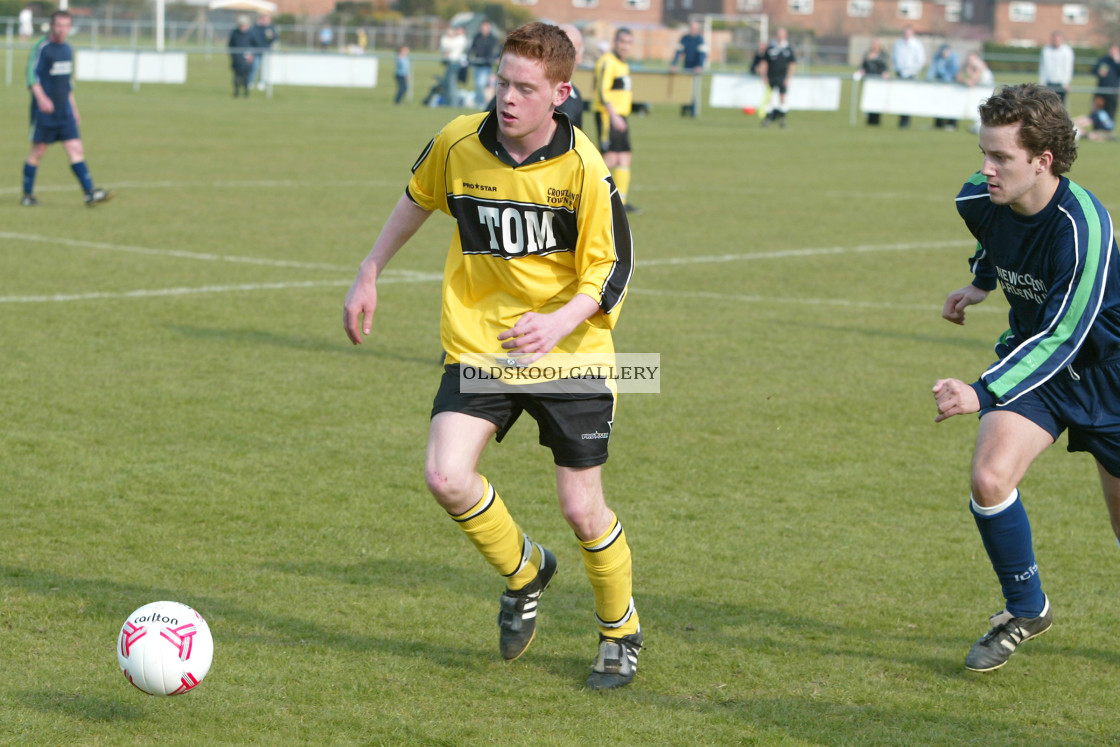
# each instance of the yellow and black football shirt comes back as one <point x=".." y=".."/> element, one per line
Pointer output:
<point x="529" y="236"/>
<point x="612" y="85"/>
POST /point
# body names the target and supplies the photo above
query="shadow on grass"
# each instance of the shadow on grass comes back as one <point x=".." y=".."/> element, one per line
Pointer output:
<point x="339" y="346"/>
<point x="87" y="707"/>
<point x="111" y="600"/>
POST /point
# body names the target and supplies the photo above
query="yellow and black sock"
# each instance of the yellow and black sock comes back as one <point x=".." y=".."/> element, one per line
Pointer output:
<point x="493" y="531"/>
<point x="607" y="561"/>
<point x="621" y="176"/>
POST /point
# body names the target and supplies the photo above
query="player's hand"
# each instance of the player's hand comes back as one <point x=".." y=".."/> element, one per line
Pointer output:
<point x="959" y="300"/>
<point x="357" y="312"/>
<point x="534" y="336"/>
<point x="46" y="106"/>
<point x="617" y="122"/>
<point x="954" y="397"/>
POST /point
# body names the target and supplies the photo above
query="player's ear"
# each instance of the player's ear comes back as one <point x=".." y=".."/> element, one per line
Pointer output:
<point x="1045" y="161"/>
<point x="563" y="90"/>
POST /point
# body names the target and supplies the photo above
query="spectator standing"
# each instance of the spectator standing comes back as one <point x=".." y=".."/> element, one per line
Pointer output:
<point x="1107" y="70"/>
<point x="403" y="73"/>
<point x="874" y="65"/>
<point x="26" y="23"/>
<point x="241" y="41"/>
<point x="944" y="69"/>
<point x="1055" y="66"/>
<point x="264" y="36"/>
<point x="326" y="38"/>
<point x="780" y="67"/>
<point x="692" y="53"/>
<point x="481" y="56"/>
<point x="453" y="48"/>
<point x="909" y="57"/>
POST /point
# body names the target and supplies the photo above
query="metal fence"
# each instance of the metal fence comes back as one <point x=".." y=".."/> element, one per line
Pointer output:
<point x="209" y="32"/>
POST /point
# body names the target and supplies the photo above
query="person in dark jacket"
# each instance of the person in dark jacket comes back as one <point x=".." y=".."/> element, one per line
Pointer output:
<point x="264" y="36"/>
<point x="241" y="41"/>
<point x="483" y="52"/>
<point x="874" y="65"/>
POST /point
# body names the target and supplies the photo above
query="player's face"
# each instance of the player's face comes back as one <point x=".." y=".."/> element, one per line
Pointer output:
<point x="526" y="98"/>
<point x="60" y="28"/>
<point x="1015" y="177"/>
<point x="623" y="44"/>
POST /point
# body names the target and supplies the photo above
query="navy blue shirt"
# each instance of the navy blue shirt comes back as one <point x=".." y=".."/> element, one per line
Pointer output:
<point x="692" y="50"/>
<point x="1107" y="71"/>
<point x="51" y="66"/>
<point x="1059" y="274"/>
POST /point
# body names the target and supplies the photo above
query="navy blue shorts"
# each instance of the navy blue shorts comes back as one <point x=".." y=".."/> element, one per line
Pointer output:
<point x="1086" y="402"/>
<point x="577" y="427"/>
<point x="54" y="133"/>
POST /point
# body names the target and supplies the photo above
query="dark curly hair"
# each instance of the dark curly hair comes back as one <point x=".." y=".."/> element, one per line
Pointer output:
<point x="1044" y="124"/>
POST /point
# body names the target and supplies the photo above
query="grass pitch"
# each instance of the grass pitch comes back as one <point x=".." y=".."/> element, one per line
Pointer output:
<point x="183" y="418"/>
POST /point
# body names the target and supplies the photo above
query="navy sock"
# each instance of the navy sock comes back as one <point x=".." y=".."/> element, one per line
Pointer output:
<point x="82" y="173"/>
<point x="29" y="177"/>
<point x="1007" y="538"/>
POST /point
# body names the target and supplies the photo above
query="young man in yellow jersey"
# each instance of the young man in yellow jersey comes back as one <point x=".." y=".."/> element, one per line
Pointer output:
<point x="614" y="99"/>
<point x="539" y="262"/>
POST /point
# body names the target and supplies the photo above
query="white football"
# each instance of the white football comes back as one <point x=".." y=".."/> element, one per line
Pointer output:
<point x="165" y="648"/>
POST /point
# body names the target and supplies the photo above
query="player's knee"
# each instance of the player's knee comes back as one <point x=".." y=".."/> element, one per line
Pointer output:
<point x="588" y="519"/>
<point x="990" y="486"/>
<point x="451" y="490"/>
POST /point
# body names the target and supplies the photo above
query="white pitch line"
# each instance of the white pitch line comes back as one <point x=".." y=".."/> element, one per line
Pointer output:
<point x="787" y="253"/>
<point x="164" y="292"/>
<point x="837" y="302"/>
<point x="248" y="184"/>
<point x="410" y="276"/>
<point x="178" y="253"/>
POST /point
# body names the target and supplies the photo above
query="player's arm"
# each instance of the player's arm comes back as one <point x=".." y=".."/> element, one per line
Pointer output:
<point x="959" y="300"/>
<point x="42" y="99"/>
<point x="74" y="109"/>
<point x="790" y="71"/>
<point x="536" y="334"/>
<point x="361" y="300"/>
<point x="604" y="80"/>
<point x="954" y="397"/>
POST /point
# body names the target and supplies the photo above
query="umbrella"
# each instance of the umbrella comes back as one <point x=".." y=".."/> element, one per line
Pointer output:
<point x="258" y="6"/>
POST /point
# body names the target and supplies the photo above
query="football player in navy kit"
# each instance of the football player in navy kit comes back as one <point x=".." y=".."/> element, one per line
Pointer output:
<point x="1049" y="243"/>
<point x="54" y="112"/>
